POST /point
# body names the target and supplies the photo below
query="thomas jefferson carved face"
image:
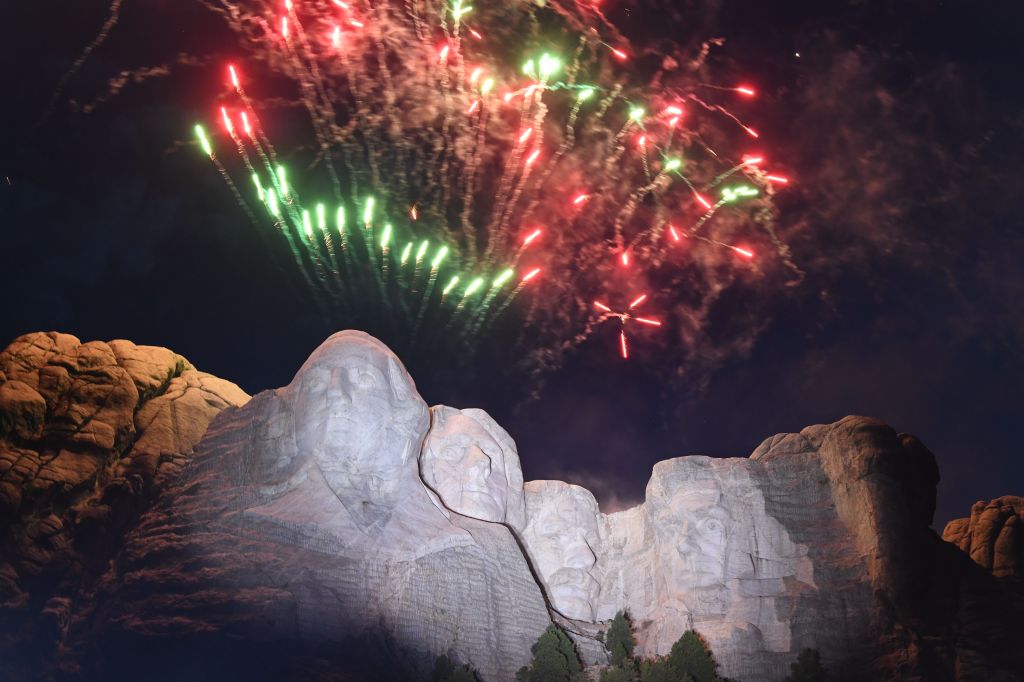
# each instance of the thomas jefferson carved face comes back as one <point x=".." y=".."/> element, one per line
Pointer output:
<point x="357" y="412"/>
<point x="562" y="537"/>
<point x="472" y="464"/>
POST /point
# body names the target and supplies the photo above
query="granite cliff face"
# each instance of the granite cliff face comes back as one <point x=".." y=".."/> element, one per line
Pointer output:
<point x="303" y="536"/>
<point x="338" y="528"/>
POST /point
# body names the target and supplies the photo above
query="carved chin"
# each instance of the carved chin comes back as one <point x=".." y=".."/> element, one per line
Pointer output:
<point x="481" y="505"/>
<point x="572" y="601"/>
<point x="572" y="592"/>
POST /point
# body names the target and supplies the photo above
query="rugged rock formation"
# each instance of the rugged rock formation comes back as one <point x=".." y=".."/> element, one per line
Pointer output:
<point x="993" y="535"/>
<point x="337" y="528"/>
<point x="304" y="531"/>
<point x="89" y="432"/>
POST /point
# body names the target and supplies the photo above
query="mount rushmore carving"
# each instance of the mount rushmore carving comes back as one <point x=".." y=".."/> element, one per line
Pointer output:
<point x="337" y="523"/>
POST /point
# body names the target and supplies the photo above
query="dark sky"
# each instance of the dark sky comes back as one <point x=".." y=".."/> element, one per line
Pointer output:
<point x="903" y="120"/>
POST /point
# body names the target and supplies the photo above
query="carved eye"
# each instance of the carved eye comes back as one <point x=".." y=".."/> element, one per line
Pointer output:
<point x="712" y="526"/>
<point x="364" y="379"/>
<point x="316" y="381"/>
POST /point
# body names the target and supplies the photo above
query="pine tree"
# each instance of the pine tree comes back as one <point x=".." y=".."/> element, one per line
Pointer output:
<point x="568" y="649"/>
<point x="554" y="659"/>
<point x="691" y="656"/>
<point x="462" y="674"/>
<point x="443" y="667"/>
<point x="619" y="640"/>
<point x="445" y="670"/>
<point x="659" y="670"/>
<point x="807" y="668"/>
<point x="615" y="675"/>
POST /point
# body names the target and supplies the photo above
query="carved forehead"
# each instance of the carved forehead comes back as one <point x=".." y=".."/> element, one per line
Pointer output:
<point x="548" y="499"/>
<point x="453" y="426"/>
<point x="344" y="347"/>
<point x="350" y="348"/>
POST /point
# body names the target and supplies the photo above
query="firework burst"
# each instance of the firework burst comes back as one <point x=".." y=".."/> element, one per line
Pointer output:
<point x="499" y="159"/>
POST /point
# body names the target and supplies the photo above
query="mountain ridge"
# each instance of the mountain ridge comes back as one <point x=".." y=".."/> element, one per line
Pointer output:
<point x="97" y="462"/>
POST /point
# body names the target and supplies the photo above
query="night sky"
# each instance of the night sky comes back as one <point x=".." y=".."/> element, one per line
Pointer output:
<point x="903" y="121"/>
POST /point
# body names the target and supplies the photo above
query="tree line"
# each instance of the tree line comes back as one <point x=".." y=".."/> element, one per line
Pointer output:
<point x="555" y="659"/>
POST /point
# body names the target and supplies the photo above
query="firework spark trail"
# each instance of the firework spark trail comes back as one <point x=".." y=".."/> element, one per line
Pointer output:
<point x="725" y="112"/>
<point x="292" y="219"/>
<point x="113" y="15"/>
<point x="471" y="175"/>
<point x="661" y="180"/>
<point x="324" y="237"/>
<point x="511" y="297"/>
<point x="537" y="124"/>
<point x="205" y="144"/>
<point x="394" y="100"/>
<point x="134" y="76"/>
<point x="569" y="139"/>
<point x="445" y="145"/>
<point x="424" y="303"/>
<point x="320" y="111"/>
<point x="514" y="166"/>
<point x="239" y="145"/>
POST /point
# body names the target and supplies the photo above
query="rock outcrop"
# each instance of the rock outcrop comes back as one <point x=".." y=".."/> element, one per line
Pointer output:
<point x="993" y="536"/>
<point x="89" y="433"/>
<point x="154" y="519"/>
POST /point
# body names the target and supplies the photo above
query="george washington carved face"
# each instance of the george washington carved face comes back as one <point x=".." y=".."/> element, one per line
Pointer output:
<point x="357" y="412"/>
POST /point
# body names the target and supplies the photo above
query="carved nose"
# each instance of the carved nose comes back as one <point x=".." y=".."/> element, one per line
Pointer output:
<point x="478" y="462"/>
<point x="338" y="390"/>
<point x="579" y="555"/>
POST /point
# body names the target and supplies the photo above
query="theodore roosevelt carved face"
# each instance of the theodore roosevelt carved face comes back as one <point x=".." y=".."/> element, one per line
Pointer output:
<point x="562" y="538"/>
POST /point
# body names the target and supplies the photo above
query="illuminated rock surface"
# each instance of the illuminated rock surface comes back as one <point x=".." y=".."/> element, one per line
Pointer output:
<point x="473" y="465"/>
<point x="314" y="542"/>
<point x="89" y="434"/>
<point x="561" y="537"/>
<point x="156" y="520"/>
<point x="993" y="536"/>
